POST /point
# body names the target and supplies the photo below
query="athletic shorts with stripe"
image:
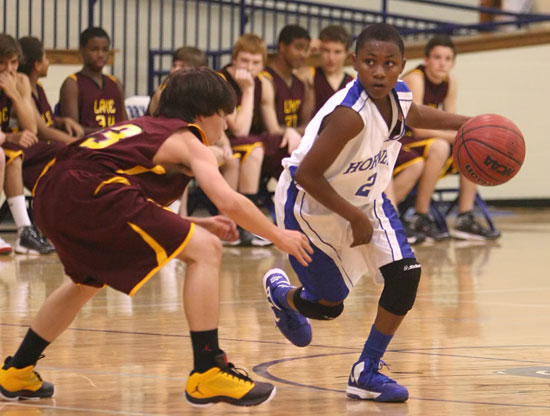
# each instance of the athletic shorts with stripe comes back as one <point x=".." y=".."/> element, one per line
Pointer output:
<point x="336" y="267"/>
<point x="110" y="235"/>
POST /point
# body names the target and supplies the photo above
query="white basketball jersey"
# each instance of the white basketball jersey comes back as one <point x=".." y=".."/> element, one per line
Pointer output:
<point x="364" y="167"/>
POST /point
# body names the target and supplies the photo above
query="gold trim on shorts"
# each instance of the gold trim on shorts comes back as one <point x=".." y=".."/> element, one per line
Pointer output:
<point x="162" y="258"/>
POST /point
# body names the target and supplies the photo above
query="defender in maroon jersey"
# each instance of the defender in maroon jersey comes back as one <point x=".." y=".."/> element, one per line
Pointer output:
<point x="102" y="202"/>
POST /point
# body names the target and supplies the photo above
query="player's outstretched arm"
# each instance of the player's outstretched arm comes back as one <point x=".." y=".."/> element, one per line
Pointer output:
<point x="184" y="149"/>
<point x="424" y="117"/>
<point x="338" y="128"/>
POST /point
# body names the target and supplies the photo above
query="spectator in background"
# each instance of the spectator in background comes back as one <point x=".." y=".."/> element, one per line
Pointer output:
<point x="89" y="97"/>
<point x="329" y="77"/>
<point x="18" y="122"/>
<point x="244" y="124"/>
<point x="53" y="132"/>
<point x="184" y="57"/>
<point x="285" y="106"/>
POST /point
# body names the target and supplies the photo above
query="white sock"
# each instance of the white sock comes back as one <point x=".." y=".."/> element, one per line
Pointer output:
<point x="18" y="209"/>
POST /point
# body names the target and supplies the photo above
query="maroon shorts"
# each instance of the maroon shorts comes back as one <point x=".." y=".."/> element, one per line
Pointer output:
<point x="35" y="158"/>
<point x="273" y="156"/>
<point x="113" y="235"/>
<point x="244" y="145"/>
<point x="415" y="150"/>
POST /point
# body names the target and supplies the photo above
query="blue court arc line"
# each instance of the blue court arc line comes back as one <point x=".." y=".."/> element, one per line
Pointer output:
<point x="263" y="370"/>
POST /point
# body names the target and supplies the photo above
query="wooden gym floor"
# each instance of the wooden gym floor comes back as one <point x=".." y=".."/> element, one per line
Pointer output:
<point x="476" y="343"/>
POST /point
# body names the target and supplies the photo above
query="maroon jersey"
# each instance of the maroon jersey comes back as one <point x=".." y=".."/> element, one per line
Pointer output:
<point x="43" y="106"/>
<point x="126" y="150"/>
<point x="5" y="109"/>
<point x="257" y="126"/>
<point x="288" y="100"/>
<point x="413" y="149"/>
<point x="323" y="90"/>
<point x="101" y="204"/>
<point x="98" y="106"/>
<point x="434" y="94"/>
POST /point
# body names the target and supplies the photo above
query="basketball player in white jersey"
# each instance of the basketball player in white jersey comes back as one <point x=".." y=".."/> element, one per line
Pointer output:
<point x="332" y="190"/>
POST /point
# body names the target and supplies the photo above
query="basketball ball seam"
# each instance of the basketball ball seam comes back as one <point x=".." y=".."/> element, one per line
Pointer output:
<point x="497" y="126"/>
<point x="493" y="148"/>
<point x="473" y="161"/>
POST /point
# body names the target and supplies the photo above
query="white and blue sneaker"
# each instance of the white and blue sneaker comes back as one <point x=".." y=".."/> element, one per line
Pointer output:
<point x="293" y="325"/>
<point x="366" y="382"/>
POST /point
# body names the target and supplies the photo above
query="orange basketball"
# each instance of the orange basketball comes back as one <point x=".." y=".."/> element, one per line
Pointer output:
<point x="489" y="149"/>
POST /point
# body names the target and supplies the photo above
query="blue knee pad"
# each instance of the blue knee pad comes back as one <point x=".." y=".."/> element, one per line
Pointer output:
<point x="401" y="280"/>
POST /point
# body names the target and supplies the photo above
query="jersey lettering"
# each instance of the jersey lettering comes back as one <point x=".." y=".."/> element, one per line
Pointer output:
<point x="111" y="136"/>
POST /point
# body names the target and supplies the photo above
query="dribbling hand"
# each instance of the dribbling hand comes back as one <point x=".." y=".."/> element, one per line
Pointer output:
<point x="362" y="230"/>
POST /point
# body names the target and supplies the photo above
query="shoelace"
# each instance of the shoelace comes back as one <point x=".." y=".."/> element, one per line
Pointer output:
<point x="380" y="365"/>
<point x="239" y="373"/>
<point x="35" y="372"/>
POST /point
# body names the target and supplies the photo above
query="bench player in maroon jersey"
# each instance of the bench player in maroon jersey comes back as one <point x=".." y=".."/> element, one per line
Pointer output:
<point x="91" y="98"/>
<point x="122" y="177"/>
<point x="329" y="77"/>
<point x="285" y="107"/>
<point x="54" y="132"/>
<point x="425" y="155"/>
<point x="245" y="124"/>
<point x="18" y="121"/>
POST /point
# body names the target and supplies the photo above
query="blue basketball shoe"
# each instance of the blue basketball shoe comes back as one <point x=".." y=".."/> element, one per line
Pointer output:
<point x="295" y="327"/>
<point x="366" y="382"/>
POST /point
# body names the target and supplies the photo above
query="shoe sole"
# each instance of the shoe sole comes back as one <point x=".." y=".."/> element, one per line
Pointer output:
<point x="362" y="394"/>
<point x="18" y="396"/>
<point x="24" y="250"/>
<point x="462" y="235"/>
<point x="229" y="400"/>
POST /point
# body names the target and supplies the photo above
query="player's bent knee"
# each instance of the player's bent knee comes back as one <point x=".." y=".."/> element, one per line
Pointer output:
<point x="401" y="280"/>
<point x="203" y="246"/>
<point x="316" y="310"/>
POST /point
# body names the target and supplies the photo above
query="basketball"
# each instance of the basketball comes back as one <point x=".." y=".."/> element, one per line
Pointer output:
<point x="489" y="149"/>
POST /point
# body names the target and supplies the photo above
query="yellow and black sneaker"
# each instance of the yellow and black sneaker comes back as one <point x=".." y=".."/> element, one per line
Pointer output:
<point x="225" y="383"/>
<point x="23" y="383"/>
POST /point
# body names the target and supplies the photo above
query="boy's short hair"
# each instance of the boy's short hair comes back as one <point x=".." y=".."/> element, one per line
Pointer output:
<point x="291" y="32"/>
<point x="250" y="43"/>
<point x="439" y="40"/>
<point x="92" y="32"/>
<point x="193" y="92"/>
<point x="32" y="52"/>
<point x="382" y="32"/>
<point x="335" y="33"/>
<point x="191" y="56"/>
<point x="9" y="47"/>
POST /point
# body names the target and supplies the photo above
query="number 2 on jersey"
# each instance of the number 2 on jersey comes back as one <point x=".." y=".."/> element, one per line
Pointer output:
<point x="364" y="189"/>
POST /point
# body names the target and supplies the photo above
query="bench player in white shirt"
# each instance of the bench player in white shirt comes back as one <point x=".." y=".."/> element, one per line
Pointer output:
<point x="332" y="190"/>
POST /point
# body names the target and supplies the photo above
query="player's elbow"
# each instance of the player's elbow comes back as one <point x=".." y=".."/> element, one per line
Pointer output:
<point x="303" y="177"/>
